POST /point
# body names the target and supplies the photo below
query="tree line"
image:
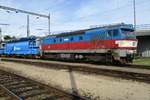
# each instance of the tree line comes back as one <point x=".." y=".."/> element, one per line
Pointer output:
<point x="8" y="37"/>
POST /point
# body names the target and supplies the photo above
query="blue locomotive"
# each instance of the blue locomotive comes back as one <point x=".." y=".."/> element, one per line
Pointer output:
<point x="21" y="47"/>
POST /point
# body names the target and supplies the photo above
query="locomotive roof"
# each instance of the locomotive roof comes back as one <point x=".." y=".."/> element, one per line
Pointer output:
<point x="78" y="32"/>
<point x="21" y="39"/>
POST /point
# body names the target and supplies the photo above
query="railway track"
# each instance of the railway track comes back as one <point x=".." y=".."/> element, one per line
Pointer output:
<point x="14" y="87"/>
<point x="4" y="95"/>
<point x="123" y="72"/>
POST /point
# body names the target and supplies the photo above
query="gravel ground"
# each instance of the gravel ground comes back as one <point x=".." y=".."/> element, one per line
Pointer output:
<point x="116" y="68"/>
<point x="96" y="86"/>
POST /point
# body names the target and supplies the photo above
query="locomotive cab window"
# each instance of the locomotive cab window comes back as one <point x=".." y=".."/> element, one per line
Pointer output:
<point x="128" y="33"/>
<point x="32" y="43"/>
<point x="115" y="32"/>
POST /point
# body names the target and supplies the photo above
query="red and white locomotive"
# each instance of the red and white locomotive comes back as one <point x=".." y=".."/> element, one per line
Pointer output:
<point x="106" y="43"/>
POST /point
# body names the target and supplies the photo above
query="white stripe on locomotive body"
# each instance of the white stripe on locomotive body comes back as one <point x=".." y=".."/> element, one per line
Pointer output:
<point x="77" y="51"/>
<point x="118" y="52"/>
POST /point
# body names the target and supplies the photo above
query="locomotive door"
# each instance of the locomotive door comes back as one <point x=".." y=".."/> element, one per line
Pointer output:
<point x="65" y="48"/>
<point x="98" y="41"/>
<point x="94" y="41"/>
<point x="110" y="38"/>
<point x="66" y="43"/>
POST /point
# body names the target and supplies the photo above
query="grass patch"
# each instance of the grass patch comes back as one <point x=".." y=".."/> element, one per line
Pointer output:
<point x="142" y="61"/>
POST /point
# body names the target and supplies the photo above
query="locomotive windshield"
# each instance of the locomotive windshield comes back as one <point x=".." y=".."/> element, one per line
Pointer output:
<point x="129" y="34"/>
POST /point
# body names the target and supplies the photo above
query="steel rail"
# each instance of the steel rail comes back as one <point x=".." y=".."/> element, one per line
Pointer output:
<point x="10" y="92"/>
<point x="48" y="91"/>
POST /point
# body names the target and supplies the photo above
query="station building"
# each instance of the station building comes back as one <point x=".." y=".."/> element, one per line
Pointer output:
<point x="143" y="48"/>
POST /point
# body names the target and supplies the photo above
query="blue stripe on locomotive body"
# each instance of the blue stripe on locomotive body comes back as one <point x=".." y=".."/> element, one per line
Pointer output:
<point x="24" y="46"/>
<point x="101" y="33"/>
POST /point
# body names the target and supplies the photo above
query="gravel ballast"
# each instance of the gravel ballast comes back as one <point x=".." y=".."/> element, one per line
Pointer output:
<point x="95" y="86"/>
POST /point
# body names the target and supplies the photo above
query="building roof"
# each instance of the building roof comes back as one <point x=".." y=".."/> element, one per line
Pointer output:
<point x="143" y="32"/>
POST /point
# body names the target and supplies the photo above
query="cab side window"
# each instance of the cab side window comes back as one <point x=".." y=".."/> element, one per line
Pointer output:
<point x="115" y="32"/>
<point x="112" y="33"/>
<point x="109" y="33"/>
<point x="30" y="43"/>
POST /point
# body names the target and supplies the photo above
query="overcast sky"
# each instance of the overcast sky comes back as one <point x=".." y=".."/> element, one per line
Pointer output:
<point x="71" y="14"/>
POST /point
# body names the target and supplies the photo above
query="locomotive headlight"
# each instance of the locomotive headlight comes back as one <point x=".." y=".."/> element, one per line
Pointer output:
<point x="126" y="43"/>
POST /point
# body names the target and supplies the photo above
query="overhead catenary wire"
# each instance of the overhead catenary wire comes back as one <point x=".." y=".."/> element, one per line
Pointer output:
<point x="27" y="12"/>
<point x="102" y="13"/>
